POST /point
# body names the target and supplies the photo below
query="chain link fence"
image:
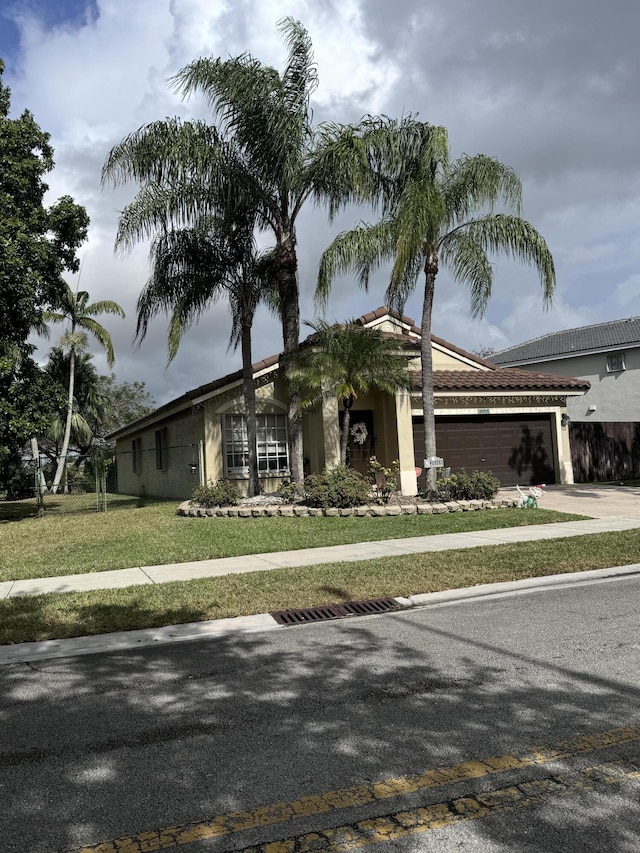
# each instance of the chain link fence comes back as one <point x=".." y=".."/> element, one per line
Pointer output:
<point x="102" y="480"/>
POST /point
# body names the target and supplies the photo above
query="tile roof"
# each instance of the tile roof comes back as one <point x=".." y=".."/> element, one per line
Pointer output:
<point x="501" y="379"/>
<point x="491" y="379"/>
<point x="617" y="333"/>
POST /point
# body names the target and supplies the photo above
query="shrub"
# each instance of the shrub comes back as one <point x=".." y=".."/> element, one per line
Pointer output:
<point x="289" y="492"/>
<point x="20" y="483"/>
<point x="383" y="480"/>
<point x="220" y="493"/>
<point x="339" y="487"/>
<point x="465" y="486"/>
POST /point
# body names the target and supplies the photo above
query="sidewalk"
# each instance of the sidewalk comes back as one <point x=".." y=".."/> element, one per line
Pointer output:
<point x="123" y="640"/>
<point x="310" y="557"/>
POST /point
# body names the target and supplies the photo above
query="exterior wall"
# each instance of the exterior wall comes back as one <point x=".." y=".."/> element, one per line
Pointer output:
<point x="181" y="471"/>
<point x="449" y="361"/>
<point x="270" y="397"/>
<point x="321" y="437"/>
<point x="616" y="396"/>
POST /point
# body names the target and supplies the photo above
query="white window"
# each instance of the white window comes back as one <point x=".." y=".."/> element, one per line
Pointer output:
<point x="615" y="362"/>
<point x="272" y="446"/>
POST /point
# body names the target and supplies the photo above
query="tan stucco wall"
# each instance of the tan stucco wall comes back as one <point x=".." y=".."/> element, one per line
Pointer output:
<point x="270" y="397"/>
<point x="450" y="361"/>
<point x="184" y="435"/>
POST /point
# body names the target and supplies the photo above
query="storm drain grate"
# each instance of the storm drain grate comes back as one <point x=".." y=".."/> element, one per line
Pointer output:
<point x="334" y="611"/>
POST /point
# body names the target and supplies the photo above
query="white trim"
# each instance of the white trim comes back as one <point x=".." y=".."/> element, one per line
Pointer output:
<point x="260" y="402"/>
<point x="492" y="411"/>
<point x="236" y="384"/>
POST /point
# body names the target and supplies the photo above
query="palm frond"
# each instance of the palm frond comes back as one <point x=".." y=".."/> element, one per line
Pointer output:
<point x="104" y="306"/>
<point x="401" y="287"/>
<point x="300" y="77"/>
<point x="170" y="150"/>
<point x="480" y="182"/>
<point x="515" y="238"/>
<point x="347" y="361"/>
<point x="250" y="101"/>
<point x="101" y="334"/>
<point x="362" y="249"/>
<point x="467" y="261"/>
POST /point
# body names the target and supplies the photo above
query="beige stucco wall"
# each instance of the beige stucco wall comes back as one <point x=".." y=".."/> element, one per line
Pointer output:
<point x="270" y="397"/>
<point x="445" y="360"/>
<point x="184" y="433"/>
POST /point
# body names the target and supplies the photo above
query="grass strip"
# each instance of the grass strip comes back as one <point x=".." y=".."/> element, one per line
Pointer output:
<point x="76" y="614"/>
<point x="155" y="535"/>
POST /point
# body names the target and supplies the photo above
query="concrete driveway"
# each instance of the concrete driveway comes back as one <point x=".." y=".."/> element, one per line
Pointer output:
<point x="591" y="499"/>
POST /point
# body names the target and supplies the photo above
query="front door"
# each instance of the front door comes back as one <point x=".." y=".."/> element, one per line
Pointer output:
<point x="361" y="446"/>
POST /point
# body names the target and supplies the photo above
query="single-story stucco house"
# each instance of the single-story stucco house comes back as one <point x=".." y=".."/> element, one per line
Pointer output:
<point x="505" y="420"/>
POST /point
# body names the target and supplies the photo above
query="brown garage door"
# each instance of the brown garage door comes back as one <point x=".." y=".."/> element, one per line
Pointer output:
<point x="516" y="449"/>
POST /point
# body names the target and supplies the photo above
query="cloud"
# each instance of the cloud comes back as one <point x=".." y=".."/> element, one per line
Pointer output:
<point x="549" y="88"/>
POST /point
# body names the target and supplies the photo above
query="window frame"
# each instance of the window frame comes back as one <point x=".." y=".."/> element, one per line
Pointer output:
<point x="619" y="359"/>
<point x="162" y="449"/>
<point x="136" y="455"/>
<point x="272" y="444"/>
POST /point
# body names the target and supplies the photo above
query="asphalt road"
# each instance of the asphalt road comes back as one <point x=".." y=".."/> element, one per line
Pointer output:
<point x="529" y="706"/>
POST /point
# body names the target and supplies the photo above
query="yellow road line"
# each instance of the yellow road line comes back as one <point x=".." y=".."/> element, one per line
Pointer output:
<point x="359" y="795"/>
<point x="401" y="824"/>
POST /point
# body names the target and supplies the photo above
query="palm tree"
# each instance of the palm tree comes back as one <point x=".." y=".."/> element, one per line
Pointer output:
<point x="437" y="213"/>
<point x="193" y="268"/>
<point x="262" y="153"/>
<point x="88" y="402"/>
<point x="76" y="309"/>
<point x="347" y="362"/>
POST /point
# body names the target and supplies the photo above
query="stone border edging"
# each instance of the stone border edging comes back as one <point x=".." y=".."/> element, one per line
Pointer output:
<point x="187" y="508"/>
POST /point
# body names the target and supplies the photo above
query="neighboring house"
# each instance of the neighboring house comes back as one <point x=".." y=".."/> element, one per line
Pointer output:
<point x="605" y="422"/>
<point x="505" y="420"/>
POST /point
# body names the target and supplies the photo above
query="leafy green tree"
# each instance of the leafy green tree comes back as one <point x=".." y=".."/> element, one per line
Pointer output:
<point x="262" y="153"/>
<point x="37" y="246"/>
<point x="76" y="309"/>
<point x="347" y="362"/>
<point x="437" y="213"/>
<point x="193" y="268"/>
<point x="121" y="403"/>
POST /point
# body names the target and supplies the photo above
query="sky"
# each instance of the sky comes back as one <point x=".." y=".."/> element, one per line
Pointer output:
<point x="550" y="88"/>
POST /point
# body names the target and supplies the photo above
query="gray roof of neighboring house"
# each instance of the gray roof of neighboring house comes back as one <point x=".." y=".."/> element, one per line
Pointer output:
<point x="602" y="336"/>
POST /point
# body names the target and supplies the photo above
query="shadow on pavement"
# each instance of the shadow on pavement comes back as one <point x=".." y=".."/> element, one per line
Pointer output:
<point x="97" y="747"/>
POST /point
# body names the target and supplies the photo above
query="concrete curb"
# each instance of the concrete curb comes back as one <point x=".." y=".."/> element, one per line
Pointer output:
<point x="496" y="590"/>
<point x="193" y="631"/>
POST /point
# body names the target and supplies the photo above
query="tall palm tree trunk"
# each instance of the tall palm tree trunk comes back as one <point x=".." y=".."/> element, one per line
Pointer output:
<point x="290" y="313"/>
<point x="344" y="435"/>
<point x="249" y="390"/>
<point x="62" y="459"/>
<point x="428" y="405"/>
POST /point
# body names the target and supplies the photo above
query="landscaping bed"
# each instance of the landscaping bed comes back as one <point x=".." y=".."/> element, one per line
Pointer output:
<point x="264" y="507"/>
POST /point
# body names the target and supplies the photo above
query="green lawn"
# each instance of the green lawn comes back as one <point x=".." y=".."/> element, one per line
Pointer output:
<point x="72" y="614"/>
<point x="155" y="535"/>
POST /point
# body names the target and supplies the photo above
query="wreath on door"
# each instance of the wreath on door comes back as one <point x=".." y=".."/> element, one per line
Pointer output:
<point x="359" y="432"/>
